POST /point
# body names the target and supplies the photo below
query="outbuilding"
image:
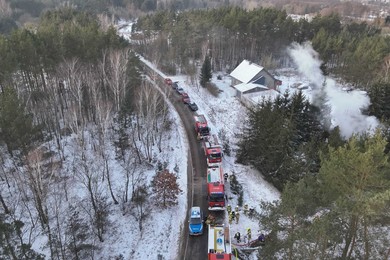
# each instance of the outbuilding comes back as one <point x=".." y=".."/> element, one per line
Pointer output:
<point x="250" y="79"/>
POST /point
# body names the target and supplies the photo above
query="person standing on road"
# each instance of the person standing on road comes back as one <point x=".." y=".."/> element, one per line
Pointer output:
<point x="237" y="217"/>
<point x="246" y="209"/>
<point x="237" y="236"/>
<point x="251" y="211"/>
<point x="249" y="234"/>
<point x="229" y="209"/>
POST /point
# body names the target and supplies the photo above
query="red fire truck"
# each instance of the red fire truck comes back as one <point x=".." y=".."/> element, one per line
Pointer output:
<point x="216" y="188"/>
<point x="212" y="150"/>
<point x="201" y="127"/>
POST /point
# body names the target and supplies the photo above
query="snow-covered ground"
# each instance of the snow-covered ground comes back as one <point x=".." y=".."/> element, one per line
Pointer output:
<point x="160" y="234"/>
<point x="224" y="113"/>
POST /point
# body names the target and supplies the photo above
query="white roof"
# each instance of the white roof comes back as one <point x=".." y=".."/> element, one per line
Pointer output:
<point x="248" y="86"/>
<point x="246" y="71"/>
<point x="217" y="240"/>
<point x="195" y="212"/>
<point x="214" y="175"/>
<point x="259" y="96"/>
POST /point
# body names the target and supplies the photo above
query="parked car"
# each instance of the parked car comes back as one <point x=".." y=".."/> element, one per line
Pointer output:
<point x="185" y="98"/>
<point x="180" y="90"/>
<point x="175" y="85"/>
<point x="196" y="221"/>
<point x="193" y="106"/>
<point x="168" y="81"/>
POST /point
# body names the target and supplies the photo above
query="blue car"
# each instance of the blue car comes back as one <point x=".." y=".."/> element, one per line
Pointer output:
<point x="196" y="221"/>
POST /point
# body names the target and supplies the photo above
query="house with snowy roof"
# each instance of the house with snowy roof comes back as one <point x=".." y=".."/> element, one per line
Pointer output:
<point x="250" y="79"/>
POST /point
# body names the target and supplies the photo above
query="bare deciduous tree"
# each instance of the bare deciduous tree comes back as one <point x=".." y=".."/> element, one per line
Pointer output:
<point x="40" y="179"/>
<point x="150" y="108"/>
<point x="114" y="66"/>
<point x="140" y="202"/>
<point x="88" y="169"/>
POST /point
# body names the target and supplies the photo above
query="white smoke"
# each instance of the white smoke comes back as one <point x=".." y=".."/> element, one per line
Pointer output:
<point x="345" y="107"/>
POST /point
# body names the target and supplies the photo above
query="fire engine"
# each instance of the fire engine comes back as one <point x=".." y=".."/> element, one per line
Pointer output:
<point x="201" y="127"/>
<point x="213" y="151"/>
<point x="215" y="188"/>
<point x="219" y="244"/>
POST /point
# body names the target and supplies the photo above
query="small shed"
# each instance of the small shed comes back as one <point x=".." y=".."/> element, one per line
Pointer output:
<point x="243" y="88"/>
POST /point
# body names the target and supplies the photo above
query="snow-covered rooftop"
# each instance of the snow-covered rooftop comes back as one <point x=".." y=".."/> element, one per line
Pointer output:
<point x="248" y="86"/>
<point x="246" y="71"/>
<point x="257" y="97"/>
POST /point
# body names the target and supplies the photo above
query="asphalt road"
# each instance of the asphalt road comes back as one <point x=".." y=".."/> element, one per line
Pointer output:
<point x="191" y="248"/>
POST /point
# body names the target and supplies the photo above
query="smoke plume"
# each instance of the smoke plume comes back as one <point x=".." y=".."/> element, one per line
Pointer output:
<point x="344" y="107"/>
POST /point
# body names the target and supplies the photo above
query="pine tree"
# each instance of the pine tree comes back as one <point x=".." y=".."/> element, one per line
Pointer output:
<point x="379" y="95"/>
<point x="264" y="142"/>
<point x="165" y="188"/>
<point x="344" y="207"/>
<point x="356" y="185"/>
<point x="205" y="73"/>
<point x="277" y="137"/>
<point x="11" y="241"/>
<point x="16" y="126"/>
<point x="78" y="235"/>
<point x="289" y="215"/>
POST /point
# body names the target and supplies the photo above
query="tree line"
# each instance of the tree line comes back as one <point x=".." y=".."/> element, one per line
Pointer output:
<point x="354" y="51"/>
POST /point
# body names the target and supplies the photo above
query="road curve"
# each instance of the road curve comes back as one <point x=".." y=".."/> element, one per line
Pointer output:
<point x="191" y="248"/>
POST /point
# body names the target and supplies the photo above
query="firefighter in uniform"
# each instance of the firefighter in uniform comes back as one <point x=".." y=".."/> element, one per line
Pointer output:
<point x="246" y="209"/>
<point x="251" y="211"/>
<point x="238" y="237"/>
<point x="237" y="217"/>
<point x="249" y="234"/>
<point x="230" y="218"/>
<point x="210" y="219"/>
<point x="226" y="176"/>
<point x="229" y="209"/>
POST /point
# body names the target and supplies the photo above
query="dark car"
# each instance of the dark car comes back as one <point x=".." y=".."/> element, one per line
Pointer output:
<point x="193" y="106"/>
<point x="175" y="85"/>
<point x="180" y="90"/>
